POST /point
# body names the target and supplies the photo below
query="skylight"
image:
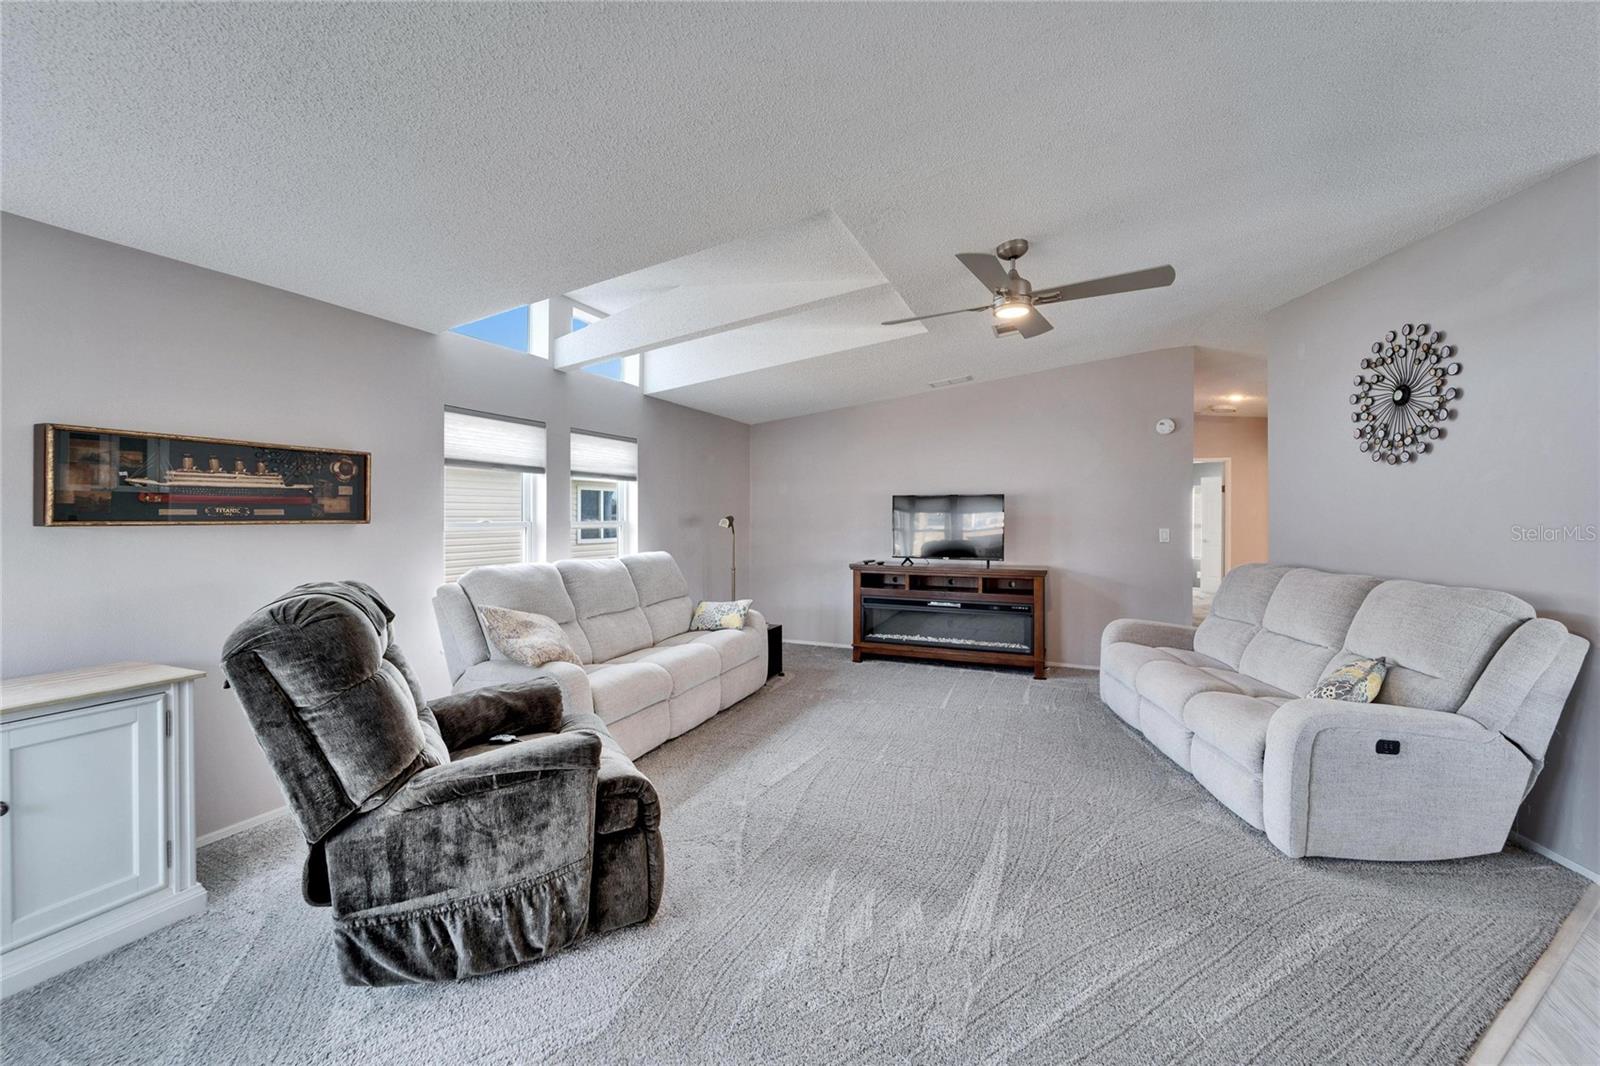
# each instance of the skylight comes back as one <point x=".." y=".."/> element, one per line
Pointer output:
<point x="508" y="329"/>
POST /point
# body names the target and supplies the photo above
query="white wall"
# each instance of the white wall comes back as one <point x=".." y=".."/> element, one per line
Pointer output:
<point x="98" y="334"/>
<point x="1517" y="289"/>
<point x="1087" y="482"/>
<point x="1244" y="442"/>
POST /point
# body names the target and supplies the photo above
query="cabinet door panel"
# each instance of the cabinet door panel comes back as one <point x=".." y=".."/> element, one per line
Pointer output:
<point x="86" y="826"/>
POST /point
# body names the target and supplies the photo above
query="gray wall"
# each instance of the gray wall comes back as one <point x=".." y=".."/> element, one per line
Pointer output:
<point x="1516" y="288"/>
<point x="1087" y="482"/>
<point x="99" y="334"/>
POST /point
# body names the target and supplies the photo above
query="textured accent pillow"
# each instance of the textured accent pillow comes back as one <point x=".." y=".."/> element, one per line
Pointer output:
<point x="720" y="614"/>
<point x="531" y="639"/>
<point x="1357" y="681"/>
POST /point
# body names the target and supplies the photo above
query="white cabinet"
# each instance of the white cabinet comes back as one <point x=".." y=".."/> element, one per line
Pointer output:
<point x="97" y="829"/>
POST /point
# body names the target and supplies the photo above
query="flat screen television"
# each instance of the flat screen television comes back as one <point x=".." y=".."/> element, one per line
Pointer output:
<point x="950" y="527"/>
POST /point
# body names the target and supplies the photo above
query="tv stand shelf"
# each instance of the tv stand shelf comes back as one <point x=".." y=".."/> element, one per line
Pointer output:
<point x="951" y="612"/>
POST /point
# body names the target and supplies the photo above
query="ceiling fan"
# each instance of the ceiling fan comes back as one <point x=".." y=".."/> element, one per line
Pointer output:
<point x="1016" y="303"/>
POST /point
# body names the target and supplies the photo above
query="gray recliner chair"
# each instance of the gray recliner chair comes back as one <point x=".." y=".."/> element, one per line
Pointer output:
<point x="442" y="853"/>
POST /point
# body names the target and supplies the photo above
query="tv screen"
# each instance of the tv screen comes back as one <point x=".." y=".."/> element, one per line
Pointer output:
<point x="950" y="527"/>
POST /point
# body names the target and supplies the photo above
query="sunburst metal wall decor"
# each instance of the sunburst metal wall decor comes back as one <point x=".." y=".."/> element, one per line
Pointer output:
<point x="1402" y="394"/>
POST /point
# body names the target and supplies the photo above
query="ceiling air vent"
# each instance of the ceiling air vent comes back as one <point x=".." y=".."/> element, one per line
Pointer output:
<point x="947" y="382"/>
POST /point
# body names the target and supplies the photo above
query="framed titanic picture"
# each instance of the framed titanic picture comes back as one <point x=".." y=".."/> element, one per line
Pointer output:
<point x="87" y="476"/>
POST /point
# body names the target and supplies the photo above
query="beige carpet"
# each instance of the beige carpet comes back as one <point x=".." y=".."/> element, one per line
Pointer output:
<point x="876" y="863"/>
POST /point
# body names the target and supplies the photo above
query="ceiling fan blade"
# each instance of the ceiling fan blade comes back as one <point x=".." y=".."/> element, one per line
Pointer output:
<point x="936" y="314"/>
<point x="1154" y="278"/>
<point x="1031" y="325"/>
<point x="987" y="269"/>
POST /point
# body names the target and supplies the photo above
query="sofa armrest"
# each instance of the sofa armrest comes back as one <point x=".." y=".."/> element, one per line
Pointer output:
<point x="1442" y="787"/>
<point x="1150" y="634"/>
<point x="754" y="619"/>
<point x="467" y="718"/>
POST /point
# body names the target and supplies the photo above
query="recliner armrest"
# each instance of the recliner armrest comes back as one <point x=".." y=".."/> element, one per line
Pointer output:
<point x="468" y="718"/>
<point x="513" y="764"/>
<point x="1382" y="781"/>
<point x="1148" y="633"/>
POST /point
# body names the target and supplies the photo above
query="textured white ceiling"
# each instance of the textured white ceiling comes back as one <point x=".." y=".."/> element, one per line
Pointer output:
<point x="433" y="163"/>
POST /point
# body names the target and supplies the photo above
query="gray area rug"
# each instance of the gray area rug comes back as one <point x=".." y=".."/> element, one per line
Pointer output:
<point x="871" y="863"/>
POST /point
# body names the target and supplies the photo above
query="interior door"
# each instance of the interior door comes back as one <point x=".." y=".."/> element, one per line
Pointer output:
<point x="83" y="831"/>
<point x="1211" y="563"/>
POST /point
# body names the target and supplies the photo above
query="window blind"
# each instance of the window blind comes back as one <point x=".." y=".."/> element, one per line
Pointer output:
<point x="598" y="455"/>
<point x="475" y="439"/>
<point x="485" y="521"/>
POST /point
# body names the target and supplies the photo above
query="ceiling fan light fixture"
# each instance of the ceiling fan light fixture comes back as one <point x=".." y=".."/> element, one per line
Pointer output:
<point x="1012" y="308"/>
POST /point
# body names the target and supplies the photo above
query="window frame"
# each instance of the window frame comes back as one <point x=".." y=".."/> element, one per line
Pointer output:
<point x="531" y="524"/>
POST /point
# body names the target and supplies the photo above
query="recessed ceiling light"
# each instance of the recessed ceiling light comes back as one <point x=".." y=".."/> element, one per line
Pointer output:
<point x="1223" y="409"/>
<point x="1234" y="398"/>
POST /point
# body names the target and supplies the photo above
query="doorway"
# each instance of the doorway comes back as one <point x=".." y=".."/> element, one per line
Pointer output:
<point x="1208" y="538"/>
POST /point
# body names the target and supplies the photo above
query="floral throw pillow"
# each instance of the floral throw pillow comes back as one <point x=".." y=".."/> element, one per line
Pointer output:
<point x="1357" y="681"/>
<point x="531" y="639"/>
<point x="720" y="614"/>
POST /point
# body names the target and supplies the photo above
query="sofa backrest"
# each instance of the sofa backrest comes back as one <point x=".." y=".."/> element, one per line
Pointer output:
<point x="1523" y="689"/>
<point x="332" y="701"/>
<point x="1236" y="611"/>
<point x="1303" y="627"/>
<point x="534" y="588"/>
<point x="607" y="605"/>
<point x="663" y="593"/>
<point x="1438" y="639"/>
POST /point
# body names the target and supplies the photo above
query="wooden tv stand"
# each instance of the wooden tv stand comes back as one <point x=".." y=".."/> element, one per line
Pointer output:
<point x="950" y="612"/>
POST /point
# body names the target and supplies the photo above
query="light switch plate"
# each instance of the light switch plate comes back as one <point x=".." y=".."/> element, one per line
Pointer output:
<point x="1166" y="536"/>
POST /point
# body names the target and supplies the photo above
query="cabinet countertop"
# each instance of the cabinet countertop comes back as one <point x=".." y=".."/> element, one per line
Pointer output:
<point x="41" y="690"/>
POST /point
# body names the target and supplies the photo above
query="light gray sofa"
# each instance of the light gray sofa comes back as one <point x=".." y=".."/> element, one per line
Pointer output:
<point x="1475" y="686"/>
<point x="644" y="673"/>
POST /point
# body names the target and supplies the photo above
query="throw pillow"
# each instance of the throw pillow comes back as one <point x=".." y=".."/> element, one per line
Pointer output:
<point x="1357" y="681"/>
<point x="720" y="614"/>
<point x="531" y="639"/>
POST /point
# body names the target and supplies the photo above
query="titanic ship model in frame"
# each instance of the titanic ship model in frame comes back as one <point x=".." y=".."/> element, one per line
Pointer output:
<point x="118" y="477"/>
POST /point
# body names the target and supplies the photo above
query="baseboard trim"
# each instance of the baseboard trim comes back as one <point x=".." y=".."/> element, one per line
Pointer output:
<point x="238" y="827"/>
<point x="1560" y="860"/>
<point x="1074" y="666"/>
<point x="1502" y="1033"/>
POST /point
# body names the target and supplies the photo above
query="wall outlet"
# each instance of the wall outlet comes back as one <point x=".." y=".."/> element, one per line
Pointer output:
<point x="1166" y="536"/>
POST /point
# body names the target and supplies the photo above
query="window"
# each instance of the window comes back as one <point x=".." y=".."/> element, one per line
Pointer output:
<point x="624" y="368"/>
<point x="508" y="329"/>
<point x="493" y="491"/>
<point x="605" y="474"/>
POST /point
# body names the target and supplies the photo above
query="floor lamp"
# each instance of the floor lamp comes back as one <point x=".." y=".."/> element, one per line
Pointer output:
<point x="733" y="555"/>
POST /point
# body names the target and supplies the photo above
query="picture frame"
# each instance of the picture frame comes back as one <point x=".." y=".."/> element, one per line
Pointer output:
<point x="94" y="476"/>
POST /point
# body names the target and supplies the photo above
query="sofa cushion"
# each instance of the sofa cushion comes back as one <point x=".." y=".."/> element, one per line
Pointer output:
<point x="534" y="588"/>
<point x="735" y="647"/>
<point x="1234" y="724"/>
<point x="1170" y="686"/>
<point x="1236" y="611"/>
<point x="690" y="664"/>
<point x="663" y="593"/>
<point x="608" y="608"/>
<point x="1304" y="627"/>
<point x="574" y="680"/>
<point x="1123" y="660"/>
<point x="620" y="689"/>
<point x="1437" y="639"/>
